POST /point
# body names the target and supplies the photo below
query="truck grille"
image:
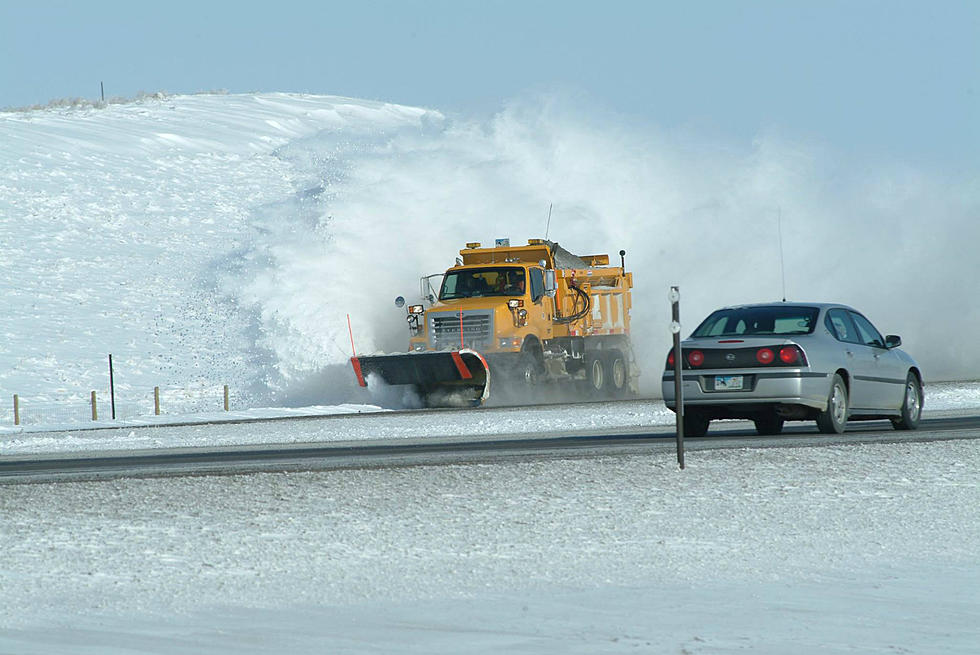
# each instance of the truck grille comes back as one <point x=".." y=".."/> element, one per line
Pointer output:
<point x="477" y="329"/>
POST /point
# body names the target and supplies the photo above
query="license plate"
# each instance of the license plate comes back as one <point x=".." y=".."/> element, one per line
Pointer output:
<point x="728" y="382"/>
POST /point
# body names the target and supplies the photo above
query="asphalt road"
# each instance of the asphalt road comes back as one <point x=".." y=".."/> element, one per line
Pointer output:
<point x="412" y="452"/>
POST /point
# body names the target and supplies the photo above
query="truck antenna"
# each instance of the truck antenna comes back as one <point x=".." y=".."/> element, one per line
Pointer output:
<point x="782" y="265"/>
<point x="548" y="227"/>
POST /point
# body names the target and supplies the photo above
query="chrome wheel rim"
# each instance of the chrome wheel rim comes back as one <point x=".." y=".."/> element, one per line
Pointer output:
<point x="838" y="405"/>
<point x="912" y="400"/>
<point x="619" y="373"/>
<point x="597" y="374"/>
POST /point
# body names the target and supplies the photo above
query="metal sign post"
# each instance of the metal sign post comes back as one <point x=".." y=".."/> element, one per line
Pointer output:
<point x="675" y="328"/>
<point x="112" y="389"/>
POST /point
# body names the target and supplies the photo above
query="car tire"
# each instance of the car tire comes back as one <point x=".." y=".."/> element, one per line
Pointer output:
<point x="617" y="373"/>
<point x="596" y="376"/>
<point x="911" y="406"/>
<point x="769" y="424"/>
<point x="833" y="420"/>
<point x="695" y="424"/>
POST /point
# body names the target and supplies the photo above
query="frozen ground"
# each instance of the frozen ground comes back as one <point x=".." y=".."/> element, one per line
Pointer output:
<point x="848" y="549"/>
<point x="859" y="549"/>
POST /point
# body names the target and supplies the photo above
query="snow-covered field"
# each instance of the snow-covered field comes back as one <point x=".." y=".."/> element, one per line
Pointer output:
<point x="211" y="240"/>
<point x="223" y="239"/>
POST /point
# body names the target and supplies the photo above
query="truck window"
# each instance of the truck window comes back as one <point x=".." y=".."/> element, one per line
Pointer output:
<point x="483" y="282"/>
<point x="537" y="284"/>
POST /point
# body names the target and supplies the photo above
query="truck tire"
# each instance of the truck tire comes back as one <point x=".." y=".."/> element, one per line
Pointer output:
<point x="596" y="375"/>
<point x="617" y="372"/>
<point x="527" y="372"/>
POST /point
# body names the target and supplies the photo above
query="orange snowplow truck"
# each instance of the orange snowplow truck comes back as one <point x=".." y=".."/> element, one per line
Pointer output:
<point x="510" y="318"/>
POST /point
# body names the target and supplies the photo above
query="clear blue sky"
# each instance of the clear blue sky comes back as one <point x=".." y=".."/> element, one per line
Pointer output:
<point x="884" y="77"/>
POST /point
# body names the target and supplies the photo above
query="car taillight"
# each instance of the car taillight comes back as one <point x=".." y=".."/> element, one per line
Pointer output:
<point x="670" y="358"/>
<point x="765" y="355"/>
<point x="695" y="358"/>
<point x="792" y="355"/>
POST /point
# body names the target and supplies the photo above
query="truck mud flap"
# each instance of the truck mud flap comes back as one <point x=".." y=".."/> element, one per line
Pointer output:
<point x="428" y="370"/>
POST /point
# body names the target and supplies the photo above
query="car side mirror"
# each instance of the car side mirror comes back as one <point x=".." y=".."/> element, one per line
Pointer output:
<point x="893" y="341"/>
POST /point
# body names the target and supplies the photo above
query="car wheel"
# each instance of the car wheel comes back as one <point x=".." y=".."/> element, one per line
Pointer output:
<point x="695" y="424"/>
<point x="595" y="375"/>
<point x="618" y="377"/>
<point x="833" y="420"/>
<point x="911" y="406"/>
<point x="769" y="424"/>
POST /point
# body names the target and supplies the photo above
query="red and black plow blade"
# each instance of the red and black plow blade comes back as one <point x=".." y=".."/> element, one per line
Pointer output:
<point x="430" y="369"/>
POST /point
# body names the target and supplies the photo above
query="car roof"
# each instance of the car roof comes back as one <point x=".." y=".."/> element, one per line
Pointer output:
<point x="783" y="303"/>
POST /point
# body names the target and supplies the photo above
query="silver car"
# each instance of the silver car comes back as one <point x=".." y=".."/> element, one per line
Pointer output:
<point x="778" y="362"/>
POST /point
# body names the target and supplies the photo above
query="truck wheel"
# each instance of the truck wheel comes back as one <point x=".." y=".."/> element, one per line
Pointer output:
<point x="527" y="370"/>
<point x="618" y="373"/>
<point x="596" y="375"/>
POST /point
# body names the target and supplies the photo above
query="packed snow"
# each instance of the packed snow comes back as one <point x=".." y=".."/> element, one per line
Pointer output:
<point x="847" y="549"/>
<point x="218" y="240"/>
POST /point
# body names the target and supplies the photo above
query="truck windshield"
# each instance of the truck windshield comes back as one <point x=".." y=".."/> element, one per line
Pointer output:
<point x="765" y="320"/>
<point x="481" y="282"/>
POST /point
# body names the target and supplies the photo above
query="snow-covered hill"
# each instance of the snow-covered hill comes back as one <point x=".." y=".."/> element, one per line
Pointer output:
<point x="223" y="239"/>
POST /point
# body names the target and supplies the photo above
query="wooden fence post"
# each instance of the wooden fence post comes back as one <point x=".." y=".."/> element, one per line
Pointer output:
<point x="16" y="410"/>
<point x="95" y="411"/>
<point x="156" y="401"/>
<point x="226" y="397"/>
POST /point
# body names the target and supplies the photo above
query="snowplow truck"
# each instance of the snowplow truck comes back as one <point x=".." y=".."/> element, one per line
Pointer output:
<point x="508" y="319"/>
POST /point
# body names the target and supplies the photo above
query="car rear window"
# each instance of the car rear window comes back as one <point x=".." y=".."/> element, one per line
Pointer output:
<point x="765" y="320"/>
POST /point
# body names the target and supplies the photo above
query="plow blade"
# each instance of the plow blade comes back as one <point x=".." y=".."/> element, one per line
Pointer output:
<point x="461" y="370"/>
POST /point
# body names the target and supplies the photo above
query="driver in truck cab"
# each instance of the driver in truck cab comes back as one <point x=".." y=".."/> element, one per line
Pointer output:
<point x="515" y="283"/>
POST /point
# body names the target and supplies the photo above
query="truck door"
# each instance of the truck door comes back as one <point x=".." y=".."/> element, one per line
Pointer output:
<point x="544" y="305"/>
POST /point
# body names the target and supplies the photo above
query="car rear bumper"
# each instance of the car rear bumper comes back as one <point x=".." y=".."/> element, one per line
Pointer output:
<point x="761" y="388"/>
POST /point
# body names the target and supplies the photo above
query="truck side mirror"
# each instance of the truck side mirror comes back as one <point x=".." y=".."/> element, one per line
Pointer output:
<point x="550" y="284"/>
